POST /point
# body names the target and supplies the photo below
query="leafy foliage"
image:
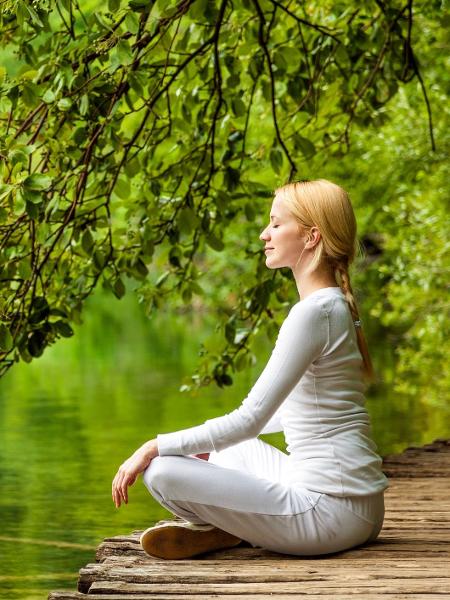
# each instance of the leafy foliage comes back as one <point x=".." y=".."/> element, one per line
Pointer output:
<point x="139" y="140"/>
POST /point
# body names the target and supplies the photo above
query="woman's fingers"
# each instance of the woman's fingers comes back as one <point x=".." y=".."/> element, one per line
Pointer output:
<point x="117" y="488"/>
<point x="121" y="487"/>
<point x="115" y="495"/>
<point x="113" y="490"/>
<point x="120" y="484"/>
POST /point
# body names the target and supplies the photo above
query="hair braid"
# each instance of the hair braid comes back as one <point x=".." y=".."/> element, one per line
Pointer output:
<point x="341" y="267"/>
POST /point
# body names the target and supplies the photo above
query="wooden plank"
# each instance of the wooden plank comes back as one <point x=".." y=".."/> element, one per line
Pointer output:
<point x="67" y="595"/>
<point x="387" y="586"/>
<point x="217" y="572"/>
<point x="141" y="574"/>
<point x="391" y="542"/>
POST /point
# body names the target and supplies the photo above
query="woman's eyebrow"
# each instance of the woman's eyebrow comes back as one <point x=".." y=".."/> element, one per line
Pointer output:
<point x="273" y="217"/>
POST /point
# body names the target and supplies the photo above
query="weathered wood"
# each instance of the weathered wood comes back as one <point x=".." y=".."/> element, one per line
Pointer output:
<point x="388" y="585"/>
<point x="410" y="559"/>
<point x="337" y="595"/>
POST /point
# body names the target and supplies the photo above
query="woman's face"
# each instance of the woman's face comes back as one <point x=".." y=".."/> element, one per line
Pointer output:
<point x="283" y="241"/>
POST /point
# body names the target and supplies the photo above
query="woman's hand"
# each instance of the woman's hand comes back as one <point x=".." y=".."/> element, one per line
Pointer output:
<point x="130" y="469"/>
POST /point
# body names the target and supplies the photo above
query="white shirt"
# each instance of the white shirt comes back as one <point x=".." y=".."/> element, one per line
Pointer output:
<point x="312" y="389"/>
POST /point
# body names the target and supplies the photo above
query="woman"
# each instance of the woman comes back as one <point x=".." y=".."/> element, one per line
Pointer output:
<point x="327" y="493"/>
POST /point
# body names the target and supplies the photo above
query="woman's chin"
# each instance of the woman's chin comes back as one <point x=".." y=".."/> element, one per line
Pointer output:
<point x="271" y="263"/>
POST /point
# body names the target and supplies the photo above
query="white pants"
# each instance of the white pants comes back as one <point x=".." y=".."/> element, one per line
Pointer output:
<point x="241" y="490"/>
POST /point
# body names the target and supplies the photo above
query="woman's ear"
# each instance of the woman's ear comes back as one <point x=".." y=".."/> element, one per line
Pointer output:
<point x="314" y="236"/>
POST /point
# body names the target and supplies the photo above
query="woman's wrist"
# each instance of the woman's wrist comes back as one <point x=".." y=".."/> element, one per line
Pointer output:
<point x="151" y="448"/>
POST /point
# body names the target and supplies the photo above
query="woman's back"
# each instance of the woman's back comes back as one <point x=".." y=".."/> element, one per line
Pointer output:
<point x="326" y="425"/>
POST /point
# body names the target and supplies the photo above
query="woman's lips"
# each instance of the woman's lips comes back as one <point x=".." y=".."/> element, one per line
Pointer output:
<point x="267" y="249"/>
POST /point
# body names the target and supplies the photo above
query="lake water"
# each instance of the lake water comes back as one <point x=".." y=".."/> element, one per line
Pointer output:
<point x="70" y="418"/>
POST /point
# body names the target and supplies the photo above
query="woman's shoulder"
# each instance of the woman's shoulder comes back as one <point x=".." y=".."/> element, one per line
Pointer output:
<point x="307" y="310"/>
<point x="321" y="301"/>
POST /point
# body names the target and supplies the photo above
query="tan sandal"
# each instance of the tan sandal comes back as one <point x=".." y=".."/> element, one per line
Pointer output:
<point x="175" y="540"/>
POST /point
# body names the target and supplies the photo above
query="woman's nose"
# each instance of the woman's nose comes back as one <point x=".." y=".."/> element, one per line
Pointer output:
<point x="264" y="235"/>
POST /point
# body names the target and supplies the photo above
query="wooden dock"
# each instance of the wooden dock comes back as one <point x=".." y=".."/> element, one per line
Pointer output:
<point x="409" y="560"/>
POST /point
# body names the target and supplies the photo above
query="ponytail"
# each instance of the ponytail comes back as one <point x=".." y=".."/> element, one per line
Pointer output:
<point x="341" y="268"/>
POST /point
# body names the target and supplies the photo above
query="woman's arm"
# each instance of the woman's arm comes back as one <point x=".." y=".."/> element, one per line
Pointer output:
<point x="274" y="424"/>
<point x="302" y="338"/>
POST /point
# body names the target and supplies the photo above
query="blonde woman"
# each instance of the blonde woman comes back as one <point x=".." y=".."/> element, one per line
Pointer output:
<point x="326" y="493"/>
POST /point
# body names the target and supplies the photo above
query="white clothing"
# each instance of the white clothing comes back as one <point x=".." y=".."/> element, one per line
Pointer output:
<point x="245" y="490"/>
<point x="312" y="389"/>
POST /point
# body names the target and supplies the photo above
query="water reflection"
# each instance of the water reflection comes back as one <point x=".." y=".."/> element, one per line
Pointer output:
<point x="70" y="418"/>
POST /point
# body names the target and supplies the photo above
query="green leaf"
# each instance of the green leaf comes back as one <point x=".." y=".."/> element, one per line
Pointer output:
<point x="141" y="267"/>
<point x="231" y="178"/>
<point x="226" y="379"/>
<point x="241" y="361"/>
<point x="18" y="155"/>
<point x="187" y="220"/>
<point x="24" y="269"/>
<point x="119" y="288"/>
<point x="32" y="210"/>
<point x="49" y="97"/>
<point x="132" y="22"/>
<point x="124" y="53"/>
<point x="36" y="344"/>
<point x="186" y="295"/>
<point x="238" y="107"/>
<point x="249" y="210"/>
<point x="161" y="279"/>
<point x="213" y="241"/>
<point x="39" y="310"/>
<point x="99" y="259"/>
<point x="132" y="167"/>
<point x="233" y="81"/>
<point x="174" y="256"/>
<point x="64" y="104"/>
<point x="87" y="241"/>
<point x="122" y="188"/>
<point x="276" y="159"/>
<point x="84" y="104"/>
<point x="33" y="197"/>
<point x="230" y="332"/>
<point x="304" y="145"/>
<point x="30" y="94"/>
<point x="6" y="340"/>
<point x="5" y="190"/>
<point x="138" y="5"/>
<point x="34" y="16"/>
<point x="37" y="182"/>
<point x="63" y="328"/>
<point x="295" y="88"/>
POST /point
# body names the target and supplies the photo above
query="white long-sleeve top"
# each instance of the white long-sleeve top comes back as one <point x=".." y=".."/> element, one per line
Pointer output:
<point x="312" y="389"/>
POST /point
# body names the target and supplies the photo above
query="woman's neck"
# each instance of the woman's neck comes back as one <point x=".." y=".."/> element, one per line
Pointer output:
<point x="320" y="278"/>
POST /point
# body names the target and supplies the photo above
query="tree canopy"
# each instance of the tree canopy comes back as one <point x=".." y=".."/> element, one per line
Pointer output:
<point x="142" y="138"/>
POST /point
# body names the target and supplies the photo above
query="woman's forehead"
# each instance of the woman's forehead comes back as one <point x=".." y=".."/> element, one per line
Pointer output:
<point x="279" y="209"/>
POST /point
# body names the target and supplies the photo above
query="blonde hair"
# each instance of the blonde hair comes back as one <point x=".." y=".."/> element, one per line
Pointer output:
<point x="327" y="206"/>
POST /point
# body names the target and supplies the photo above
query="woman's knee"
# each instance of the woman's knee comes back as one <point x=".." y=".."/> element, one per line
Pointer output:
<point x="156" y="475"/>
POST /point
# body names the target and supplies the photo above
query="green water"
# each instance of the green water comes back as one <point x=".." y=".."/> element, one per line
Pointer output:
<point x="69" y="419"/>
